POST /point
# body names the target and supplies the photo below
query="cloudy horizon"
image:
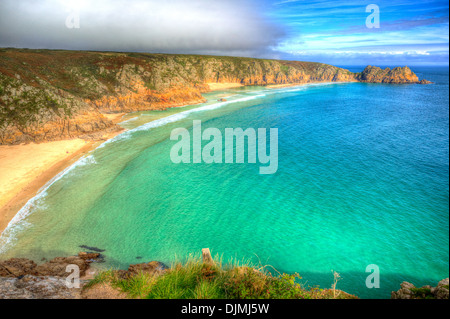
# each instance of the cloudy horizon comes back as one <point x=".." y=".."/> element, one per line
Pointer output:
<point x="411" y="32"/>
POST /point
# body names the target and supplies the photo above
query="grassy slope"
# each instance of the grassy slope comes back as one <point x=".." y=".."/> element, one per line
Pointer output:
<point x="196" y="280"/>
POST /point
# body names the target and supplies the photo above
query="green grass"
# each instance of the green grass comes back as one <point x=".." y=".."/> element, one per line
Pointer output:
<point x="193" y="279"/>
<point x="422" y="293"/>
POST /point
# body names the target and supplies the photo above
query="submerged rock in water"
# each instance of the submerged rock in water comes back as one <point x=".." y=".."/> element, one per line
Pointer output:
<point x="98" y="250"/>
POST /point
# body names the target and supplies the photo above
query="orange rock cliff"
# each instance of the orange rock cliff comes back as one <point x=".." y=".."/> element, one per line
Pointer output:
<point x="51" y="94"/>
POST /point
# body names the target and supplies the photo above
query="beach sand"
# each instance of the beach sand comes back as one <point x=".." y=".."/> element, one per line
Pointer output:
<point x="26" y="168"/>
<point x="279" y="86"/>
<point x="223" y="86"/>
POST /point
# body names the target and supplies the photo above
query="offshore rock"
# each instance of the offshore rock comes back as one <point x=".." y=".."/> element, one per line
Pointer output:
<point x="397" y="75"/>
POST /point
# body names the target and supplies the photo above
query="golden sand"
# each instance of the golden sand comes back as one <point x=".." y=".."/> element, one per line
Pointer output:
<point x="223" y="86"/>
<point x="25" y="168"/>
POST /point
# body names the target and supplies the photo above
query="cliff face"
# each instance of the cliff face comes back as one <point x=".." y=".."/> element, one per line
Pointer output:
<point x="50" y="95"/>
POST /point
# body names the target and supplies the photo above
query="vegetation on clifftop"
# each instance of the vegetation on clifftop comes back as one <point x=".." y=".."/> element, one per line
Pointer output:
<point x="55" y="94"/>
<point x="195" y="279"/>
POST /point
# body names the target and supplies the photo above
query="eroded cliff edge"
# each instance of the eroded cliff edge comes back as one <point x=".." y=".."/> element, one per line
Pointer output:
<point x="50" y="95"/>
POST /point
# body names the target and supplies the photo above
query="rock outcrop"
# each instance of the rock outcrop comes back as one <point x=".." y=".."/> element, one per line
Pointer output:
<point x="38" y="287"/>
<point x="17" y="267"/>
<point x="50" y="95"/>
<point x="21" y="278"/>
<point x="409" y="291"/>
<point x="20" y="267"/>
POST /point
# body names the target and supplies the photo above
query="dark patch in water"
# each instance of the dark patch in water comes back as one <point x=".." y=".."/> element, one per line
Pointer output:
<point x="98" y="250"/>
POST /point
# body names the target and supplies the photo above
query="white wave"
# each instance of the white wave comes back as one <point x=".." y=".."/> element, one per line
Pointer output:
<point x="302" y="87"/>
<point x="18" y="222"/>
<point x="130" y="120"/>
<point x="175" y="118"/>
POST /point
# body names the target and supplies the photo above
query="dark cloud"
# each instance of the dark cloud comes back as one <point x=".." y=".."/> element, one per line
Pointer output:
<point x="232" y="27"/>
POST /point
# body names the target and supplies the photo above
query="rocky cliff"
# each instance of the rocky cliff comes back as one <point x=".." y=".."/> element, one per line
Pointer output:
<point x="409" y="291"/>
<point x="51" y="95"/>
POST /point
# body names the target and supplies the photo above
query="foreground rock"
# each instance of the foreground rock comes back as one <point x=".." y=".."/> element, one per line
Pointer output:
<point x="398" y="75"/>
<point x="21" y="278"/>
<point x="19" y="267"/>
<point x="38" y="287"/>
<point x="409" y="291"/>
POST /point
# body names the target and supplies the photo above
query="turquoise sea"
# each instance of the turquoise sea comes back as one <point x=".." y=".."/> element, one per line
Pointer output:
<point x="363" y="178"/>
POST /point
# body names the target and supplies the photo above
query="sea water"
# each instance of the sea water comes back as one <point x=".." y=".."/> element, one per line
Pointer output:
<point x="362" y="179"/>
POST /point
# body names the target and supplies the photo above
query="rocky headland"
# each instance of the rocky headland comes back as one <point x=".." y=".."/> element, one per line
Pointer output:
<point x="48" y="95"/>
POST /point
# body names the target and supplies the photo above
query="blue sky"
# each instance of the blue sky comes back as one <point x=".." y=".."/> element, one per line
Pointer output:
<point x="411" y="32"/>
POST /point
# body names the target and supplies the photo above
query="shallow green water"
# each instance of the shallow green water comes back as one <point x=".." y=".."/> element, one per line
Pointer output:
<point x="362" y="179"/>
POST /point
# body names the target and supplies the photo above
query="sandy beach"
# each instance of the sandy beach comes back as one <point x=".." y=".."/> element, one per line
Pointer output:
<point x="223" y="86"/>
<point x="26" y="168"/>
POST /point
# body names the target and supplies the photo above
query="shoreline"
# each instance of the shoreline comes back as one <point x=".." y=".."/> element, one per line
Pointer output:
<point x="280" y="86"/>
<point x="223" y="86"/>
<point x="17" y="197"/>
<point x="29" y="181"/>
<point x="45" y="161"/>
